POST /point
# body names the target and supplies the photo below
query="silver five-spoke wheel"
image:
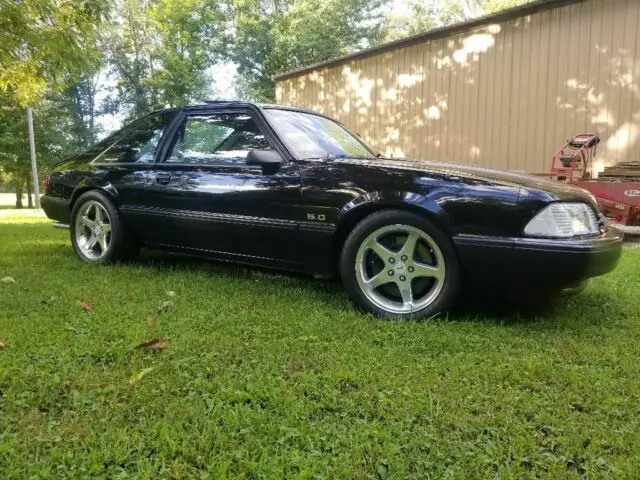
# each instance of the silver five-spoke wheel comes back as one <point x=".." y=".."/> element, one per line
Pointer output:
<point x="93" y="230"/>
<point x="400" y="268"/>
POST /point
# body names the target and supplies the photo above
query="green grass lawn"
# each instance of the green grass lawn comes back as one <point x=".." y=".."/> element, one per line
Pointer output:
<point x="270" y="375"/>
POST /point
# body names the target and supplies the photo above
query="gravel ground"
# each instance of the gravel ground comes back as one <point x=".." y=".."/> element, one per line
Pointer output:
<point x="632" y="241"/>
<point x="9" y="199"/>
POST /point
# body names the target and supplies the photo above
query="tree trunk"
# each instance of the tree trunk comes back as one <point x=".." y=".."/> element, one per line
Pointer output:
<point x="29" y="197"/>
<point x="93" y="88"/>
<point x="19" y="186"/>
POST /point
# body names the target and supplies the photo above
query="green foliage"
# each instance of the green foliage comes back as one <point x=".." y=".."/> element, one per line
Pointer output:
<point x="54" y="130"/>
<point x="128" y="39"/>
<point x="78" y="101"/>
<point x="274" y="37"/>
<point x="492" y="6"/>
<point x="419" y="17"/>
<point x="422" y="16"/>
<point x="46" y="47"/>
<point x="270" y="375"/>
<point x="160" y="51"/>
<point x="43" y="42"/>
<point x="192" y="36"/>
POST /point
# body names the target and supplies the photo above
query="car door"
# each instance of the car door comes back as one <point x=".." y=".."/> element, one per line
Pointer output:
<point x="208" y="199"/>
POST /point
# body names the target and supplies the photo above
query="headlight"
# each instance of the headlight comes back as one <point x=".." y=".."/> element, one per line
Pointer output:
<point x="563" y="220"/>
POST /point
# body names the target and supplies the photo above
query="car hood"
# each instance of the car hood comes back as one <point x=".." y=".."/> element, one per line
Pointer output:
<point x="554" y="189"/>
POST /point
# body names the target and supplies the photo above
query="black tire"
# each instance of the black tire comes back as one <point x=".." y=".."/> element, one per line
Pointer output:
<point x="123" y="245"/>
<point x="453" y="277"/>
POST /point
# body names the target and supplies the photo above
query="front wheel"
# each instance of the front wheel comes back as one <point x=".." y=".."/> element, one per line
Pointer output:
<point x="399" y="264"/>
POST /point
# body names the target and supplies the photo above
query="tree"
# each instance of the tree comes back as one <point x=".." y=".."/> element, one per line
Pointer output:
<point x="44" y="42"/>
<point x="279" y="35"/>
<point x="78" y="101"/>
<point x="52" y="127"/>
<point x="423" y="15"/>
<point x="160" y="50"/>
<point x="129" y="42"/>
<point x="44" y="45"/>
<point x="193" y="35"/>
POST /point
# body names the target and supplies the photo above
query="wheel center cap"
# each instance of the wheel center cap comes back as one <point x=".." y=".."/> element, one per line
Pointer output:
<point x="400" y="266"/>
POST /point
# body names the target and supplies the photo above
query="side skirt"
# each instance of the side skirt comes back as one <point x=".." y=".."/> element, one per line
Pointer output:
<point x="232" y="258"/>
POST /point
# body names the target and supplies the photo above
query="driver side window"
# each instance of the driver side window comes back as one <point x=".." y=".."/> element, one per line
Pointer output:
<point x="224" y="138"/>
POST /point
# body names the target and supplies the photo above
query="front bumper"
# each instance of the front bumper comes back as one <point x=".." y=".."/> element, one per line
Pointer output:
<point x="567" y="261"/>
<point x="537" y="262"/>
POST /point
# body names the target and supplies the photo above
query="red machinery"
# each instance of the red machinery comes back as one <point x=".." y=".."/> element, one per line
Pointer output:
<point x="572" y="161"/>
<point x="617" y="188"/>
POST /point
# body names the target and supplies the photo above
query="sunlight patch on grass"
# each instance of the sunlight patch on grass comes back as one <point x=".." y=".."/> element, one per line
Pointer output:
<point x="21" y="216"/>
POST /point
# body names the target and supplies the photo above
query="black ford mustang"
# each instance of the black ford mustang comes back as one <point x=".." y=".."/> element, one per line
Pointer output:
<point x="291" y="189"/>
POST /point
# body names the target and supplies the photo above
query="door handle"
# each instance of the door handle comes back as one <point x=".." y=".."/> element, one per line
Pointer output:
<point x="163" y="178"/>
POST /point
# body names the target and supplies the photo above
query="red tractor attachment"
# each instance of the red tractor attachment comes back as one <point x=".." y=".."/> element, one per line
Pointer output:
<point x="617" y="188"/>
<point x="573" y="160"/>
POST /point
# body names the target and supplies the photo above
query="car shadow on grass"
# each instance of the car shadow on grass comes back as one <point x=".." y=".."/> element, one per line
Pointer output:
<point x="594" y="307"/>
<point x="542" y="311"/>
<point x="590" y="308"/>
<point x="165" y="260"/>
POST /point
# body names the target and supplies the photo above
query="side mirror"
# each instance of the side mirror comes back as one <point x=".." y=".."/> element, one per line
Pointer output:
<point x="264" y="158"/>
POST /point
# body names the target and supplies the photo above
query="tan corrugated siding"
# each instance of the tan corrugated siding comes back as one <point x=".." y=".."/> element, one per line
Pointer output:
<point x="504" y="95"/>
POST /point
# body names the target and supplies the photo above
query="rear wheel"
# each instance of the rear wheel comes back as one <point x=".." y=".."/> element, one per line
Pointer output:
<point x="399" y="264"/>
<point x="97" y="233"/>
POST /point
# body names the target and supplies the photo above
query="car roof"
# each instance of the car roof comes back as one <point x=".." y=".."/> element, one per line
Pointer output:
<point x="241" y="103"/>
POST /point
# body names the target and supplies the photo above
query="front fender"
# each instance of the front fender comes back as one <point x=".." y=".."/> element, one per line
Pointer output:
<point x="459" y="208"/>
<point x="367" y="203"/>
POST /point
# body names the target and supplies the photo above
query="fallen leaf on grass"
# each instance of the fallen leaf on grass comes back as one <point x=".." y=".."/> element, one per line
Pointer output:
<point x="2" y="345"/>
<point x="165" y="306"/>
<point x="155" y="344"/>
<point x="8" y="280"/>
<point x="136" y="377"/>
<point x="86" y="305"/>
<point x="151" y="322"/>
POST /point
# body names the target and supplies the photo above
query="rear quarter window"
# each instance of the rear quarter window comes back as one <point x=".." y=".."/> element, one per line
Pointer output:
<point x="136" y="143"/>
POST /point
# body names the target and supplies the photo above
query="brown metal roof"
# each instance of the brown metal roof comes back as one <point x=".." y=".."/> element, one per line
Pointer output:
<point x="502" y="16"/>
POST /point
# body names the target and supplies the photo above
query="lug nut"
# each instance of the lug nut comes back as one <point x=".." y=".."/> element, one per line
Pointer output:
<point x="391" y="273"/>
<point x="402" y="278"/>
<point x="411" y="269"/>
<point x="392" y="260"/>
<point x="404" y="258"/>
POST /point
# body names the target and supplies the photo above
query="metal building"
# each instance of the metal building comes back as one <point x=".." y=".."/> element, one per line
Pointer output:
<point x="503" y="91"/>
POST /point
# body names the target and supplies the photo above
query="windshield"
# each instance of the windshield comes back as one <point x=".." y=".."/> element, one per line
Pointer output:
<point x="312" y="136"/>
